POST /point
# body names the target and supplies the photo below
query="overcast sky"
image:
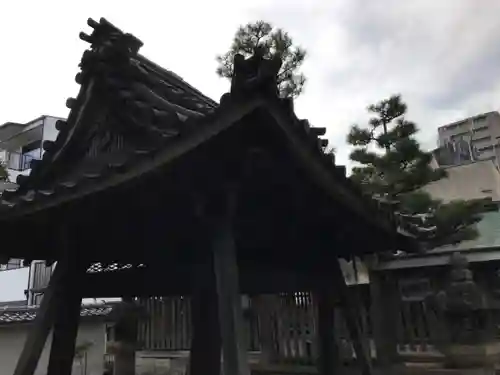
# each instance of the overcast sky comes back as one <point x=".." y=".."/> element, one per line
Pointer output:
<point x="442" y="56"/>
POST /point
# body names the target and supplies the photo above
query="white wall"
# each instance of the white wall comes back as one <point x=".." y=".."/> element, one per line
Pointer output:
<point x="49" y="128"/>
<point x="468" y="181"/>
<point x="13" y="336"/>
<point x="12" y="285"/>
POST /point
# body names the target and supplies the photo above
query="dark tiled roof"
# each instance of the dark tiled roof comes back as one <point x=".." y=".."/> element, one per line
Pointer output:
<point x="132" y="116"/>
<point x="128" y="108"/>
<point x="10" y="315"/>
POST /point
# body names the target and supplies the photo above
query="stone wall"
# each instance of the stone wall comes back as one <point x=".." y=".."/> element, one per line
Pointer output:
<point x="162" y="363"/>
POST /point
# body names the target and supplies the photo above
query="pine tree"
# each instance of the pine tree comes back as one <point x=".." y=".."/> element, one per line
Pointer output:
<point x="393" y="170"/>
<point x="276" y="42"/>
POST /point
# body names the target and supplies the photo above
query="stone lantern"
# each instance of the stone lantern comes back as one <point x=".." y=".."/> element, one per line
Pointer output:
<point x="466" y="321"/>
<point x="125" y="316"/>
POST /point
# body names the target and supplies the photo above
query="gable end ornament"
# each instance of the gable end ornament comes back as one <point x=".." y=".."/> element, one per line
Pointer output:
<point x="255" y="74"/>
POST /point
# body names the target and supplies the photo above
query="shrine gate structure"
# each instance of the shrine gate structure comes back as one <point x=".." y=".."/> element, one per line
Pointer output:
<point x="188" y="197"/>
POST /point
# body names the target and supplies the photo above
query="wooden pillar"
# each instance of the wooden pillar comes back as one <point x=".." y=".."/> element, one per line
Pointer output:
<point x="216" y="214"/>
<point x="229" y="300"/>
<point x="66" y="318"/>
<point x="205" y="356"/>
<point x="352" y="320"/>
<point x="329" y="355"/>
<point x="35" y="342"/>
<point x="265" y="306"/>
<point x="384" y="311"/>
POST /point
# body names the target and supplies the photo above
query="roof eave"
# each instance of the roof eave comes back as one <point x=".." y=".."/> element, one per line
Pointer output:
<point x="325" y="179"/>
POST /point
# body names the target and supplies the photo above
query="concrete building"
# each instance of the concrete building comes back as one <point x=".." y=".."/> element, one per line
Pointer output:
<point x="475" y="180"/>
<point x="471" y="139"/>
<point x="480" y="179"/>
<point x="16" y="321"/>
<point x="20" y="144"/>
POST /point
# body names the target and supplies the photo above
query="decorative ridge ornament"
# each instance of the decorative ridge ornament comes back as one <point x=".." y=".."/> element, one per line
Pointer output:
<point x="255" y="74"/>
<point x="105" y="34"/>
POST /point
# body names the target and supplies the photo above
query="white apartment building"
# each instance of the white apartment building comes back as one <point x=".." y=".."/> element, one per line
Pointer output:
<point x="22" y="143"/>
<point x="19" y="145"/>
<point x="472" y="139"/>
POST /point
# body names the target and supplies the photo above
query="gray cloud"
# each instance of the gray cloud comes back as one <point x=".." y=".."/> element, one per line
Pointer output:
<point x="442" y="56"/>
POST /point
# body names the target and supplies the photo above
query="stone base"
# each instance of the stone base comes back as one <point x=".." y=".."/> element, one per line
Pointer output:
<point x="472" y="356"/>
<point x="439" y="369"/>
<point x="446" y="371"/>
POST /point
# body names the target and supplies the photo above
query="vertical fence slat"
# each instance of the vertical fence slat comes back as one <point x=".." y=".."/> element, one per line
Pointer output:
<point x="421" y="329"/>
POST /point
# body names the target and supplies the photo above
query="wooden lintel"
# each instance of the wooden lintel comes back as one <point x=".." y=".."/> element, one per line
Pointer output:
<point x="143" y="282"/>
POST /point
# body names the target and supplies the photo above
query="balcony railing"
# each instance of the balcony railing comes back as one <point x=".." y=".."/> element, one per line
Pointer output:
<point x="21" y="162"/>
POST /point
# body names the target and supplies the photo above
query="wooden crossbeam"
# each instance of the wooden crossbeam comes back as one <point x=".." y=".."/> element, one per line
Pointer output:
<point x="143" y="282"/>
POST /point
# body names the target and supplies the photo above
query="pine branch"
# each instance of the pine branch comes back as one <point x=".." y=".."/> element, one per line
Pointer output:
<point x="398" y="169"/>
<point x="277" y="42"/>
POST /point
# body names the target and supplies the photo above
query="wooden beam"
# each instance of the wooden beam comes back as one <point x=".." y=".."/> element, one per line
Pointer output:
<point x="229" y="300"/>
<point x="352" y="319"/>
<point x="252" y="281"/>
<point x="37" y="336"/>
<point x="66" y="322"/>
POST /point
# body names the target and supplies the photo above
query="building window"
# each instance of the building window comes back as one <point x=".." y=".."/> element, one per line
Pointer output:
<point x="21" y="161"/>
<point x="30" y="152"/>
<point x="460" y="135"/>
<point x="11" y="265"/>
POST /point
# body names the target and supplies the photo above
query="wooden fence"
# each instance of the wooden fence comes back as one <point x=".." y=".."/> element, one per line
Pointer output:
<point x="293" y="321"/>
<point x="168" y="325"/>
